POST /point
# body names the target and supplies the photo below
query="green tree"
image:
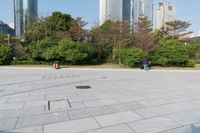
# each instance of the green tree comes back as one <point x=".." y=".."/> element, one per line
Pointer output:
<point x="171" y="52"/>
<point x="44" y="50"/>
<point x="48" y="27"/>
<point x="74" y="52"/>
<point x="131" y="57"/>
<point x="5" y="54"/>
<point x="194" y="50"/>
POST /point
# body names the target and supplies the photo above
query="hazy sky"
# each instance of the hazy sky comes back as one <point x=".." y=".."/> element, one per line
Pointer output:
<point x="187" y="10"/>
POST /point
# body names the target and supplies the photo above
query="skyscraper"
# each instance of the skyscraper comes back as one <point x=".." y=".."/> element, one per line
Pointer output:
<point x="166" y="12"/>
<point x="110" y="10"/>
<point x="25" y="11"/>
<point x="133" y="9"/>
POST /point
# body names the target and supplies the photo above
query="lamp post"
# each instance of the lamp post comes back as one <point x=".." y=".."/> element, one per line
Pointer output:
<point x="8" y="39"/>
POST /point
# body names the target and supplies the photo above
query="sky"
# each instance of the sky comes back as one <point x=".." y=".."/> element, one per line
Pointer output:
<point x="187" y="10"/>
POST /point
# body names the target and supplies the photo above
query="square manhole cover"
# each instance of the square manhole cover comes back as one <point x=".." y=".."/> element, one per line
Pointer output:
<point x="83" y="87"/>
<point x="61" y="104"/>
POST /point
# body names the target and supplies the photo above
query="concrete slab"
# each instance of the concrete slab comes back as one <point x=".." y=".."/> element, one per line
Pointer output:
<point x="113" y="129"/>
<point x="37" y="129"/>
<point x="42" y="119"/>
<point x="154" y="125"/>
<point x="117" y="118"/>
<point x="98" y="103"/>
<point x="74" y="126"/>
<point x="7" y="124"/>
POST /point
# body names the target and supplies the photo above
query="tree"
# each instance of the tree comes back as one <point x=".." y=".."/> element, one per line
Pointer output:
<point x="143" y="37"/>
<point x="177" y="28"/>
<point x="171" y="52"/>
<point x="48" y="27"/>
<point x="5" y="54"/>
<point x="98" y="39"/>
<point x="131" y="56"/>
<point x="77" y="30"/>
<point x="43" y="50"/>
<point x="74" y="52"/>
<point x="59" y="22"/>
<point x="194" y="50"/>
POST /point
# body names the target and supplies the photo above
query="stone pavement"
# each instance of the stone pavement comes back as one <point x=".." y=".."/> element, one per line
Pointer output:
<point x="45" y="100"/>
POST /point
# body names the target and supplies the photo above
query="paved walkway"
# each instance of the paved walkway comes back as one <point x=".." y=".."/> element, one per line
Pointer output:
<point x="44" y="100"/>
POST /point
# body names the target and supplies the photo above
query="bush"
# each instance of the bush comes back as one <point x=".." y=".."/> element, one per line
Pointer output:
<point x="131" y="57"/>
<point x="191" y="63"/>
<point x="171" y="53"/>
<point x="74" y="52"/>
<point x="5" y="54"/>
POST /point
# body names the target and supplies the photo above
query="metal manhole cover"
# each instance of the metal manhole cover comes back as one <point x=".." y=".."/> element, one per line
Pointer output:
<point x="83" y="87"/>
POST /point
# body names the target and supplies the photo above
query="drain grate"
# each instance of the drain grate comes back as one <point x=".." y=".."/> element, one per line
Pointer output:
<point x="83" y="87"/>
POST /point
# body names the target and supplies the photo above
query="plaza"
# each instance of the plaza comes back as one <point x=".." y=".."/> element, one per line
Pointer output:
<point x="75" y="100"/>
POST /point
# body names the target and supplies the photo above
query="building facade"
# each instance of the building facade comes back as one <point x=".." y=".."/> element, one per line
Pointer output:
<point x="5" y="29"/>
<point x="25" y="11"/>
<point x="133" y="9"/>
<point x="110" y="10"/>
<point x="166" y="12"/>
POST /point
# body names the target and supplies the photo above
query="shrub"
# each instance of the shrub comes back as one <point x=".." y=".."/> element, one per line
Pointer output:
<point x="74" y="52"/>
<point x="131" y="57"/>
<point x="171" y="52"/>
<point x="191" y="63"/>
<point x="5" y="54"/>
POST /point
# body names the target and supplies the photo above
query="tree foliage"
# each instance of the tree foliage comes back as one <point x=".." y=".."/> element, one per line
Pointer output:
<point x="5" y="54"/>
<point x="171" y="52"/>
<point x="177" y="28"/>
<point x="143" y="37"/>
<point x="77" y="30"/>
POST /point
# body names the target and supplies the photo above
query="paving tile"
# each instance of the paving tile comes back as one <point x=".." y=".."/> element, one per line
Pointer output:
<point x="3" y="100"/>
<point x="25" y="99"/>
<point x="186" y="118"/>
<point x="154" y="125"/>
<point x="113" y="129"/>
<point x="74" y="126"/>
<point x="11" y="106"/>
<point x="186" y="129"/>
<point x="96" y="111"/>
<point x="42" y="119"/>
<point x="117" y="118"/>
<point x="37" y="129"/>
<point x="21" y="112"/>
<point x="78" y="114"/>
<point x="100" y="103"/>
<point x="36" y="103"/>
<point x="7" y="124"/>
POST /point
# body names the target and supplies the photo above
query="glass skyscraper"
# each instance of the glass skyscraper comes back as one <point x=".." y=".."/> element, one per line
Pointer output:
<point x="25" y="11"/>
<point x="133" y="9"/>
<point x="110" y="10"/>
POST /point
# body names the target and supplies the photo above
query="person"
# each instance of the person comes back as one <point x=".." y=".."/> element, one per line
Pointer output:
<point x="146" y="64"/>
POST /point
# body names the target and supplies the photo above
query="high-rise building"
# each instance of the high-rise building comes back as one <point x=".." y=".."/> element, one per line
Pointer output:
<point x="5" y="29"/>
<point x="133" y="9"/>
<point x="166" y="12"/>
<point x="110" y="10"/>
<point x="25" y="11"/>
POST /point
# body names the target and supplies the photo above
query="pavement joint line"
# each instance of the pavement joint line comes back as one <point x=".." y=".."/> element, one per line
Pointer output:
<point x="16" y="123"/>
<point x="131" y="128"/>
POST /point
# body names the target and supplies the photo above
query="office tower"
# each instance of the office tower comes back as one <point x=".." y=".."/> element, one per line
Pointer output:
<point x="5" y="29"/>
<point x="133" y="9"/>
<point x="25" y="11"/>
<point x="166" y="12"/>
<point x="110" y="10"/>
